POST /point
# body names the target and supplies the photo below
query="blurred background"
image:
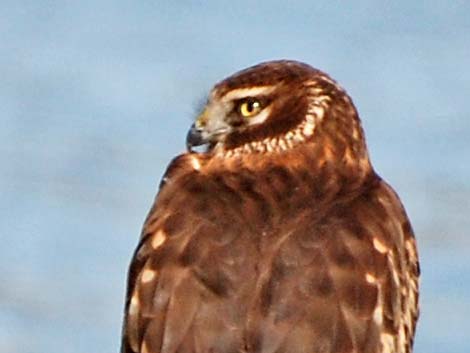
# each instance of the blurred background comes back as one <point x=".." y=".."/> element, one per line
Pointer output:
<point x="96" y="98"/>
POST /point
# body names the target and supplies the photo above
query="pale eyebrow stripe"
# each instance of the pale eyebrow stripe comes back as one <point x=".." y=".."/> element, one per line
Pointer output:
<point x="247" y="92"/>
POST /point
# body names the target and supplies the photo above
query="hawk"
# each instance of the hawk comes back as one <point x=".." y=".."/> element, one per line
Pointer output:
<point x="275" y="235"/>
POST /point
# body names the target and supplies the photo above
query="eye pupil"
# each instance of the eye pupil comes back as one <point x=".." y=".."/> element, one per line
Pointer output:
<point x="249" y="107"/>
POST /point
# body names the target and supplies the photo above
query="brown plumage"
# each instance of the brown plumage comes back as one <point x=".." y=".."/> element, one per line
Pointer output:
<point x="279" y="236"/>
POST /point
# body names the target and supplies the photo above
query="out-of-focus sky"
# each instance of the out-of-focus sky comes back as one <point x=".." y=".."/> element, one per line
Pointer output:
<point x="96" y="98"/>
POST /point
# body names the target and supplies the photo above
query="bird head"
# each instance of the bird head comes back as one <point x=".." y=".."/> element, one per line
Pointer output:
<point x="274" y="107"/>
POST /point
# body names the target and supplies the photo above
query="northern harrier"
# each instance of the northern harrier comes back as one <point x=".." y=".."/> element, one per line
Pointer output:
<point x="278" y="237"/>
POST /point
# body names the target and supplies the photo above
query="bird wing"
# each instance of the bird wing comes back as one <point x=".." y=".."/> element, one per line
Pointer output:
<point x="343" y="282"/>
<point x="190" y="277"/>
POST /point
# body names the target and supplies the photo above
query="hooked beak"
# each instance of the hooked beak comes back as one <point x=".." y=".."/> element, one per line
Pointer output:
<point x="197" y="135"/>
<point x="194" y="137"/>
<point x="205" y="132"/>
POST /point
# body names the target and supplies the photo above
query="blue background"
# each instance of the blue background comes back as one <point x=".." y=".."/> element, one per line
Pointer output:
<point x="96" y="98"/>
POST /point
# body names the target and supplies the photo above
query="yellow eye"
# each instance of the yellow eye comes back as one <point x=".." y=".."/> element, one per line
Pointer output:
<point x="249" y="107"/>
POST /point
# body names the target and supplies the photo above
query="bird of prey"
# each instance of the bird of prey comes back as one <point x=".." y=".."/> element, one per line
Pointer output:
<point x="275" y="235"/>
